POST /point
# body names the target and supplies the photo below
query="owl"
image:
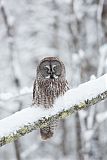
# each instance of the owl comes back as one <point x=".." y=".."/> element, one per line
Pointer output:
<point x="50" y="83"/>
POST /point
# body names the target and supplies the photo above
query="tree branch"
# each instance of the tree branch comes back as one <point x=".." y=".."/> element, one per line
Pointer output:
<point x="31" y="118"/>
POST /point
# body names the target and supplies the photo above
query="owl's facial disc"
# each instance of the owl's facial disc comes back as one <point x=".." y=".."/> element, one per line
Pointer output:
<point x="50" y="72"/>
<point x="51" y="69"/>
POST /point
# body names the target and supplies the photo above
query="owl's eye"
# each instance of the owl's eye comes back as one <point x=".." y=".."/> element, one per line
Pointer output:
<point x="45" y="71"/>
<point x="57" y="70"/>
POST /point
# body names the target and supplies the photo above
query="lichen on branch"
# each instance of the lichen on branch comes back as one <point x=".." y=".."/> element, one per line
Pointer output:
<point x="31" y="118"/>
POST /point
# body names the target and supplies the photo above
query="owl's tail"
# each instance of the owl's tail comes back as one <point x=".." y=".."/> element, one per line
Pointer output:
<point x="47" y="132"/>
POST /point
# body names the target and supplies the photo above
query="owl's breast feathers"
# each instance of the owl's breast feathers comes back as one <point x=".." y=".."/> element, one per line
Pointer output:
<point x="47" y="91"/>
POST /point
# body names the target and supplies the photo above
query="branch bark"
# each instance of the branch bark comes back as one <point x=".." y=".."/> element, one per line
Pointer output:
<point x="31" y="118"/>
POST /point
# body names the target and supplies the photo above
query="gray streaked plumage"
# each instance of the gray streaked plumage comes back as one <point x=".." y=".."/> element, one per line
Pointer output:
<point x="49" y="84"/>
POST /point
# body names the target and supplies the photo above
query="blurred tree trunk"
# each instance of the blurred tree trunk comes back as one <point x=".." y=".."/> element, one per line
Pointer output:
<point x="10" y="33"/>
<point x="17" y="149"/>
<point x="78" y="138"/>
<point x="92" y="149"/>
<point x="74" y="28"/>
<point x="17" y="143"/>
<point x="55" y="43"/>
<point x="64" y="138"/>
<point x="104" y="20"/>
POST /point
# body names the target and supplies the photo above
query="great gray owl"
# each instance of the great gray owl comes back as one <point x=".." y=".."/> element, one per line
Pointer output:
<point x="50" y="83"/>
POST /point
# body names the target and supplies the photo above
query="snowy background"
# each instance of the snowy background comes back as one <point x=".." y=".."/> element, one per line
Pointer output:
<point x="75" y="31"/>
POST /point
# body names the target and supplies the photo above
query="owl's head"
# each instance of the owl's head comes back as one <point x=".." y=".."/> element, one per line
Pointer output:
<point x="51" y="68"/>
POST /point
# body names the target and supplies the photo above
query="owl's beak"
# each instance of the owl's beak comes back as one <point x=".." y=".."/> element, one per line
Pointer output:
<point x="51" y="75"/>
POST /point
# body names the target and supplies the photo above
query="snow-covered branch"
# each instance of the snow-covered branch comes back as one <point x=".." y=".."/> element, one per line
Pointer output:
<point x="29" y="119"/>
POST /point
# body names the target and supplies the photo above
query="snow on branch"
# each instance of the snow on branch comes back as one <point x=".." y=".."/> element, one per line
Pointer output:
<point x="31" y="118"/>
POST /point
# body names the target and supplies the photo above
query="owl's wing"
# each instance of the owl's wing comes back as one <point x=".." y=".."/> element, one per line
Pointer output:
<point x="34" y="92"/>
<point x="34" y="89"/>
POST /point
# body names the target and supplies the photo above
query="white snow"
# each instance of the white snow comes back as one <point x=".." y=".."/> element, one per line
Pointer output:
<point x="85" y="91"/>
